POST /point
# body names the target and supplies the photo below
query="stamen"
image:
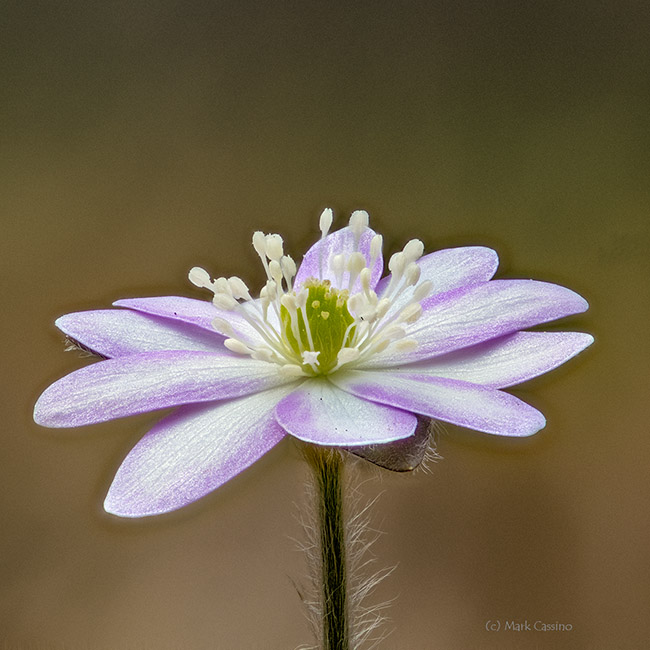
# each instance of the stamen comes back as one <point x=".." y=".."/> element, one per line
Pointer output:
<point x="275" y="270"/>
<point x="224" y="301"/>
<point x="412" y="274"/>
<point x="200" y="278"/>
<point x="223" y="326"/>
<point x="356" y="263"/>
<point x="410" y="313"/>
<point x="396" y="264"/>
<point x="346" y="355"/>
<point x="238" y="288"/>
<point x="274" y="249"/>
<point x="291" y="370"/>
<point x="259" y="244"/>
<point x="423" y="290"/>
<point x="325" y="221"/>
<point x="364" y="278"/>
<point x="413" y="250"/>
<point x="358" y="223"/>
<point x="382" y="307"/>
<point x="221" y="285"/>
<point x="406" y="345"/>
<point x="375" y="248"/>
<point x="237" y="346"/>
<point x="288" y="270"/>
<point x="337" y="265"/>
<point x="264" y="354"/>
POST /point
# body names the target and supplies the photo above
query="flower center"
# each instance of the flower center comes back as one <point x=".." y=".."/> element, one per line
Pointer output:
<point x="315" y="328"/>
<point x="328" y="327"/>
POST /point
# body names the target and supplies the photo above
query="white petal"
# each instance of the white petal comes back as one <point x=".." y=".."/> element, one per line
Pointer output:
<point x="146" y="382"/>
<point x="319" y="412"/>
<point x="119" y="332"/>
<point x="450" y="400"/>
<point x="193" y="451"/>
<point x="505" y="361"/>
<point x="481" y="312"/>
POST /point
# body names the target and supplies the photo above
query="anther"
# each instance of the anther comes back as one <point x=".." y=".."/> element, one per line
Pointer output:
<point x="200" y="277"/>
<point x="325" y="221"/>
<point x="288" y="268"/>
<point x="358" y="222"/>
<point x="238" y="288"/>
<point x="337" y="265"/>
<point x="423" y="290"/>
<point x="364" y="278"/>
<point x="275" y="270"/>
<point x="274" y="249"/>
<point x="406" y="345"/>
<point x="346" y="355"/>
<point x="396" y="263"/>
<point x="291" y="370"/>
<point x="413" y="250"/>
<point x="237" y="346"/>
<point x="223" y="326"/>
<point x="259" y="244"/>
<point x="412" y="274"/>
<point x="411" y="313"/>
<point x="224" y="301"/>
<point x="375" y="248"/>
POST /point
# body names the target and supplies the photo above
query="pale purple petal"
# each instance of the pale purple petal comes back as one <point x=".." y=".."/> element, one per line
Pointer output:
<point x="197" y="312"/>
<point x="192" y="452"/>
<point x="319" y="412"/>
<point x="505" y="361"/>
<point x="120" y="332"/>
<point x="147" y="382"/>
<point x="477" y="313"/>
<point x="339" y="242"/>
<point x="449" y="400"/>
<point x="449" y="269"/>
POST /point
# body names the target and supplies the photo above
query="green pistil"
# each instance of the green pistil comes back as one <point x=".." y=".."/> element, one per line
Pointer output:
<point x="328" y="318"/>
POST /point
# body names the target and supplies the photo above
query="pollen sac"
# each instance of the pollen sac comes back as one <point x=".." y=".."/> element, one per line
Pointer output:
<point x="328" y="328"/>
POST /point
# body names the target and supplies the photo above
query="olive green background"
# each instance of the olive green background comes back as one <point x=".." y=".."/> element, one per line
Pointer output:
<point x="140" y="139"/>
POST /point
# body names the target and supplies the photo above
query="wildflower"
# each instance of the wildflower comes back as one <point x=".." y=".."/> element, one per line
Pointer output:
<point x="330" y="353"/>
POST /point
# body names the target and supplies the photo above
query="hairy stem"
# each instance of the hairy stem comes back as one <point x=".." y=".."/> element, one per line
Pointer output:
<point x="327" y="465"/>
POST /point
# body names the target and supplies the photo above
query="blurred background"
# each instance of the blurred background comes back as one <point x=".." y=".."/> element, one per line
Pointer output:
<point x="140" y="139"/>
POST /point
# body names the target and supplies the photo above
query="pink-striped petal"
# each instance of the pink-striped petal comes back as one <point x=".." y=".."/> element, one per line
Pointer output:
<point x="120" y="332"/>
<point x="196" y="312"/>
<point x="477" y="313"/>
<point x="505" y="361"/>
<point x="192" y="452"/>
<point x="450" y="400"/>
<point x="147" y="382"/>
<point x="319" y="412"/>
<point x="316" y="262"/>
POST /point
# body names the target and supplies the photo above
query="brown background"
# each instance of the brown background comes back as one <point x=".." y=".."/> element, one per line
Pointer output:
<point x="137" y="141"/>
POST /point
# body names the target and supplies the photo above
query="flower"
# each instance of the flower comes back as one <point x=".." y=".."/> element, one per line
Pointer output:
<point x="330" y="353"/>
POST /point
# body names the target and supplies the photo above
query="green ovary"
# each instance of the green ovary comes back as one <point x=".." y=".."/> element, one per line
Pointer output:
<point x="328" y="318"/>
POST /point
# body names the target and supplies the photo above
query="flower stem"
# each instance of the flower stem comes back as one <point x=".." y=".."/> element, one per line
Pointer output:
<point x="327" y="465"/>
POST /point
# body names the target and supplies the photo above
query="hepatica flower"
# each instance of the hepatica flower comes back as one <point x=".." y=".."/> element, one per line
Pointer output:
<point x="331" y="353"/>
